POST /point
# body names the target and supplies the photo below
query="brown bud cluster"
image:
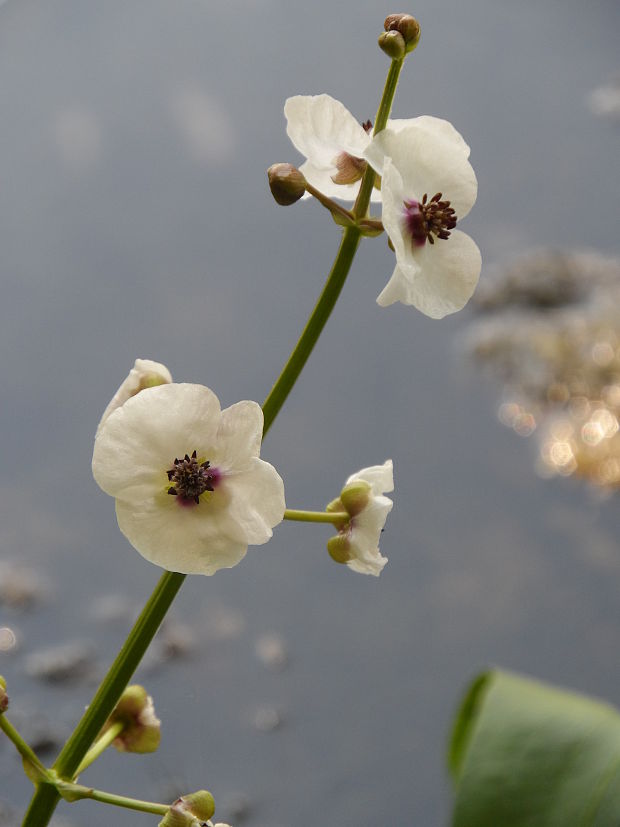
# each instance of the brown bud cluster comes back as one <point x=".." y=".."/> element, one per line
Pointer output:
<point x="407" y="27"/>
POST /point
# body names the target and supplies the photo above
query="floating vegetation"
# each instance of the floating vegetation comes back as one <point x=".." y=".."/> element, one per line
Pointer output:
<point x="550" y="330"/>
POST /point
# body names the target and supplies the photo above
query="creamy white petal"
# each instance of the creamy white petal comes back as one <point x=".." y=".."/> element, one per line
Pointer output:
<point x="427" y="164"/>
<point x="364" y="537"/>
<point x="447" y="277"/>
<point x="143" y="374"/>
<point x="186" y="539"/>
<point x="141" y="439"/>
<point x="398" y="289"/>
<point x="379" y="477"/>
<point x="436" y="126"/>
<point x="256" y="500"/>
<point x="321" y="127"/>
<point x="393" y="215"/>
<point x="239" y="435"/>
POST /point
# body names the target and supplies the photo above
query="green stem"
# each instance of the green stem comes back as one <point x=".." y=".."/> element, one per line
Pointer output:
<point x="321" y="313"/>
<point x="46" y="797"/>
<point x="316" y="516"/>
<point x="331" y="205"/>
<point x="76" y="792"/>
<point x="338" y="274"/>
<point x="100" y="746"/>
<point x="360" y="208"/>
<point x="22" y="747"/>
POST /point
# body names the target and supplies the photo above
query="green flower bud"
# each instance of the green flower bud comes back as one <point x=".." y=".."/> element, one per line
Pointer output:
<point x="407" y="26"/>
<point x="200" y="804"/>
<point x="338" y="547"/>
<point x="335" y="506"/>
<point x="286" y="183"/>
<point x="4" y="698"/>
<point x="141" y="727"/>
<point x="393" y="44"/>
<point x="355" y="497"/>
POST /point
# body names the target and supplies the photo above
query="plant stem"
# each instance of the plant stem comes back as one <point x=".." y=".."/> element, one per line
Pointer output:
<point x="360" y="208"/>
<point x="21" y="746"/>
<point x="46" y="797"/>
<point x="311" y="332"/>
<point x="100" y="745"/>
<point x="316" y="516"/>
<point x="71" y="756"/>
<point x="76" y="792"/>
<point x="338" y="274"/>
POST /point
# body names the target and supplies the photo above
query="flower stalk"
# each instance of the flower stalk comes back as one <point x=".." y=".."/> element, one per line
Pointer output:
<point x="76" y="748"/>
<point x="100" y="746"/>
<point x="335" y="517"/>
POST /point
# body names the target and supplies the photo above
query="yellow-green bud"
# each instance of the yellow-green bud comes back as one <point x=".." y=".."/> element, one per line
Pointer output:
<point x="200" y="804"/>
<point x="339" y="547"/>
<point x="335" y="505"/>
<point x="286" y="183"/>
<point x="355" y="497"/>
<point x="141" y="727"/>
<point x="4" y="698"/>
<point x="393" y="44"/>
<point x="407" y="26"/>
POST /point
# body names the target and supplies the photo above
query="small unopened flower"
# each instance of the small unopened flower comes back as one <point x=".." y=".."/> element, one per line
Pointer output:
<point x="192" y="810"/>
<point x="4" y="698"/>
<point x="427" y="186"/>
<point x="141" y="727"/>
<point x="362" y="498"/>
<point x="333" y="142"/>
<point x="144" y="374"/>
<point x="191" y="491"/>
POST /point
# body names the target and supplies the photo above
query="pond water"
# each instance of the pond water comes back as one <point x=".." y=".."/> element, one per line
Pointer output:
<point x="135" y="220"/>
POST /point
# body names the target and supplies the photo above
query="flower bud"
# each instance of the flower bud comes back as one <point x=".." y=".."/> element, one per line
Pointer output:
<point x="393" y="44"/>
<point x="407" y="26"/>
<point x="286" y="183"/>
<point x="4" y="698"/>
<point x="141" y="727"/>
<point x="338" y="547"/>
<point x="190" y="810"/>
<point x="355" y="497"/>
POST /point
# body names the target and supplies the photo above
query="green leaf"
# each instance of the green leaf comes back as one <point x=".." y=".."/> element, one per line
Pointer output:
<point x="525" y="754"/>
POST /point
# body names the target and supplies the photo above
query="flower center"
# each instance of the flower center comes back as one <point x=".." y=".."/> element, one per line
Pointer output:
<point x="425" y="219"/>
<point x="190" y="479"/>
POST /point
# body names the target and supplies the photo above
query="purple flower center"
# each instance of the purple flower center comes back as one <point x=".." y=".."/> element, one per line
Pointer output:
<point x="426" y="220"/>
<point x="190" y="479"/>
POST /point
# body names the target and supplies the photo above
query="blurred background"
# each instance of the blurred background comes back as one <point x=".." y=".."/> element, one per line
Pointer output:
<point x="135" y="221"/>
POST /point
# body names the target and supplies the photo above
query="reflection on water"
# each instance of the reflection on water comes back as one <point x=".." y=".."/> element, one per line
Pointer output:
<point x="558" y="354"/>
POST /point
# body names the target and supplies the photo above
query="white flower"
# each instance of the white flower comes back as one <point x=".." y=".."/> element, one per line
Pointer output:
<point x="332" y="140"/>
<point x="427" y="185"/>
<point x="191" y="492"/>
<point x="144" y="374"/>
<point x="357" y="542"/>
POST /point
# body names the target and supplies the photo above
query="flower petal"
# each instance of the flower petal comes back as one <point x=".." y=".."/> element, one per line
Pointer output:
<point x="256" y="500"/>
<point x="437" y="127"/>
<point x="239" y="435"/>
<point x="447" y="276"/>
<point x="141" y="439"/>
<point x="183" y="539"/>
<point x="145" y="373"/>
<point x="379" y="477"/>
<point x="321" y="127"/>
<point x="427" y="163"/>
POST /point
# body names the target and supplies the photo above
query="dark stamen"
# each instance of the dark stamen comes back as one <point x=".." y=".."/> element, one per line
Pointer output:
<point x="429" y="219"/>
<point x="191" y="479"/>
